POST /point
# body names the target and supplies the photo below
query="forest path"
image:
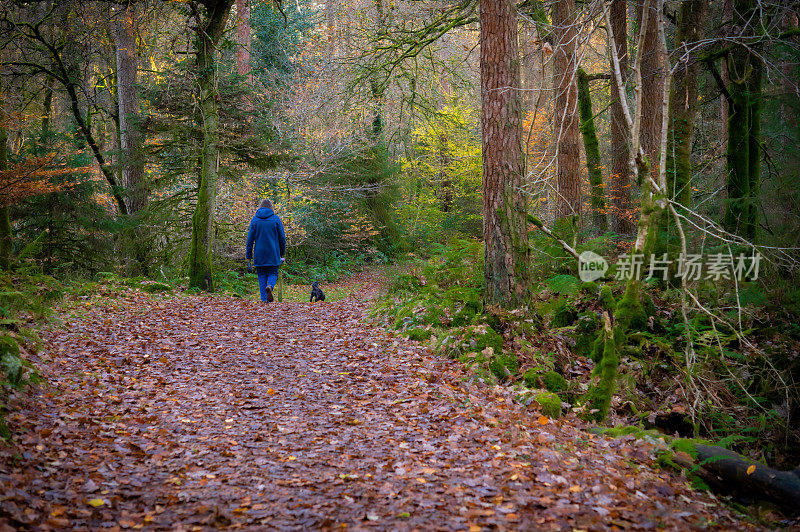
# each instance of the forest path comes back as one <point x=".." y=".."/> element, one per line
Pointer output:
<point x="191" y="411"/>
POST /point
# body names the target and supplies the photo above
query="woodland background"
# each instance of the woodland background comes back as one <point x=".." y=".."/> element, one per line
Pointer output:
<point x="137" y="138"/>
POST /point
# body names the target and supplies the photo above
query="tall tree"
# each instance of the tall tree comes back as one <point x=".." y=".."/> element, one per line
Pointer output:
<point x="243" y="38"/>
<point x="652" y="86"/>
<point x="683" y="100"/>
<point x="506" y="256"/>
<point x="130" y="130"/>
<point x="210" y="16"/>
<point x="744" y="94"/>
<point x="619" y="185"/>
<point x="6" y="242"/>
<point x="592" y="149"/>
<point x="567" y="133"/>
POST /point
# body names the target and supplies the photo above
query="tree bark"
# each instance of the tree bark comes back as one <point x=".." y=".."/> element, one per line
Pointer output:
<point x="444" y="173"/>
<point x="683" y="101"/>
<point x="330" y="26"/>
<point x="243" y="37"/>
<point x="506" y="254"/>
<point x="652" y="93"/>
<point x="728" y="472"/>
<point x="47" y="111"/>
<point x="567" y="134"/>
<point x="745" y="87"/>
<point x="619" y="184"/>
<point x="6" y="238"/>
<point x="592" y="148"/>
<point x="210" y="24"/>
<point x="130" y="131"/>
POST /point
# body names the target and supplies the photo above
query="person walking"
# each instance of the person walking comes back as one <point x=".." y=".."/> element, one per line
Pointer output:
<point x="266" y="247"/>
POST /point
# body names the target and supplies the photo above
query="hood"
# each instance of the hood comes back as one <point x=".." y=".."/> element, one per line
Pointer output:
<point x="264" y="213"/>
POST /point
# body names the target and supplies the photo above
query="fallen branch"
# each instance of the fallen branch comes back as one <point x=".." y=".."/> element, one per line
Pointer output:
<point x="728" y="472"/>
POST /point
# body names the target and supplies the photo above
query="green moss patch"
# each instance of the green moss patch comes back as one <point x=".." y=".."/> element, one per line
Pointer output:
<point x="503" y="364"/>
<point x="549" y="403"/>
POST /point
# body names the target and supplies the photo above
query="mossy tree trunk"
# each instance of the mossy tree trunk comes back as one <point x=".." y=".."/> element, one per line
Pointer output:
<point x="682" y="113"/>
<point x="592" y="147"/>
<point x="211" y="18"/>
<point x="608" y="363"/>
<point x="754" y="100"/>
<point x="683" y="101"/>
<point x="507" y="252"/>
<point x="745" y="73"/>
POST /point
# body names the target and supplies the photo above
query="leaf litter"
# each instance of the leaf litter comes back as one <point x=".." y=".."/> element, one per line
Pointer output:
<point x="196" y="412"/>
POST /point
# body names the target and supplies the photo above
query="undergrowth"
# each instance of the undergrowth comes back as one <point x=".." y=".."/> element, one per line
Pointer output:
<point x="744" y="394"/>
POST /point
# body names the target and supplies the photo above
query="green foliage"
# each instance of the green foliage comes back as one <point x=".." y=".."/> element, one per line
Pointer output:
<point x="586" y="332"/>
<point x="10" y="361"/>
<point x="442" y="179"/>
<point x="155" y="287"/>
<point x="66" y="232"/>
<point x="362" y="218"/>
<point x="554" y="382"/>
<point x="503" y="364"/>
<point x="276" y="41"/>
<point x="419" y="334"/>
<point x="328" y="267"/>
<point x="564" y="315"/>
<point x="568" y="285"/>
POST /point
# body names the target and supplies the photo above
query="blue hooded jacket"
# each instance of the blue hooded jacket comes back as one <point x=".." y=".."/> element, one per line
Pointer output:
<point x="266" y="238"/>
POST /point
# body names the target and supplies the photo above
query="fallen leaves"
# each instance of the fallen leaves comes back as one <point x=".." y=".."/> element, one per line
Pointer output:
<point x="200" y="412"/>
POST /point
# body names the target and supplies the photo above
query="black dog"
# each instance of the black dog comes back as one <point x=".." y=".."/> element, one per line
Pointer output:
<point x="316" y="293"/>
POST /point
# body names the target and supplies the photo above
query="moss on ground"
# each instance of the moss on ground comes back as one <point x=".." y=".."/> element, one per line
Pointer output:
<point x="550" y="404"/>
<point x="554" y="382"/>
<point x="564" y="315"/>
<point x="503" y="364"/>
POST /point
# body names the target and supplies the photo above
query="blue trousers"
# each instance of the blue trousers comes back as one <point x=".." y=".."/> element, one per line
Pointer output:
<point x="267" y="276"/>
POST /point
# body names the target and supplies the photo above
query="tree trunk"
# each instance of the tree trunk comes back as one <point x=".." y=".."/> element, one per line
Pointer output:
<point x="130" y="134"/>
<point x="745" y="86"/>
<point x="629" y="313"/>
<point x="330" y="26"/>
<point x="211" y="23"/>
<point x="6" y="239"/>
<point x="592" y="148"/>
<point x="47" y="111"/>
<point x="619" y="184"/>
<point x="683" y="101"/>
<point x="728" y="472"/>
<point x="738" y="152"/>
<point x="754" y="97"/>
<point x="507" y="253"/>
<point x="567" y="134"/>
<point x="243" y="37"/>
<point x="652" y="93"/>
<point x="444" y="174"/>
